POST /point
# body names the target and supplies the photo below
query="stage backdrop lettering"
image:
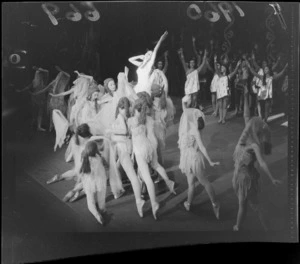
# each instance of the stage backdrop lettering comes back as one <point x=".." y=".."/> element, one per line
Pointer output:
<point x="92" y="14"/>
<point x="214" y="15"/>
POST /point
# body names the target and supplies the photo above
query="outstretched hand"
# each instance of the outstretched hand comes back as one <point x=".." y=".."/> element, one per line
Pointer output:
<point x="214" y="163"/>
<point x="193" y="39"/>
<point x="166" y="53"/>
<point x="164" y="36"/>
<point x="180" y="51"/>
<point x="276" y="182"/>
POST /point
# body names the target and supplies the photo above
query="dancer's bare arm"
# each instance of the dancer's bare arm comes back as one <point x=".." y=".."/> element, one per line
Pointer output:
<point x="263" y="164"/>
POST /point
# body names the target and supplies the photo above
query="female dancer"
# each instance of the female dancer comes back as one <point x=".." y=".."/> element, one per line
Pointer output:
<point x="144" y="149"/>
<point x="39" y="100"/>
<point x="192" y="83"/>
<point x="266" y="91"/>
<point x="159" y="115"/>
<point x="223" y="89"/>
<point x="213" y="90"/>
<point x="253" y="143"/>
<point x="145" y="67"/>
<point x="79" y="92"/>
<point x="94" y="179"/>
<point x="77" y="144"/>
<point x="120" y="136"/>
<point x="192" y="153"/>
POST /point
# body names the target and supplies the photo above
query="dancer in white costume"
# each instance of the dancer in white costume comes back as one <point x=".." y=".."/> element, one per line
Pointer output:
<point x="93" y="174"/>
<point x="192" y="154"/>
<point x="223" y="88"/>
<point x="79" y="92"/>
<point x="192" y="86"/>
<point x="145" y="67"/>
<point x="77" y="144"/>
<point x="141" y="129"/>
<point x="123" y="144"/>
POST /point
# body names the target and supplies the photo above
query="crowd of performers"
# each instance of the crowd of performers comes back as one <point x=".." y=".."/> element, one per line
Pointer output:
<point x="120" y="127"/>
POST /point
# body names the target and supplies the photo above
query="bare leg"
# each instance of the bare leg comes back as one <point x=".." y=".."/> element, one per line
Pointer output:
<point x="243" y="204"/>
<point x="70" y="174"/>
<point x="40" y="119"/>
<point x="91" y="203"/>
<point x="246" y="108"/>
<point x="213" y="102"/>
<point x="191" y="189"/>
<point x="224" y="109"/>
<point x="220" y="104"/>
<point x="136" y="186"/>
<point x="161" y="171"/>
<point x="259" y="108"/>
<point x="212" y="195"/>
<point x="144" y="169"/>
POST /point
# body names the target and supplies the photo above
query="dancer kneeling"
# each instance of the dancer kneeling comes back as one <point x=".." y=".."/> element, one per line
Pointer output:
<point x="192" y="153"/>
<point x="93" y="174"/>
<point x="254" y="141"/>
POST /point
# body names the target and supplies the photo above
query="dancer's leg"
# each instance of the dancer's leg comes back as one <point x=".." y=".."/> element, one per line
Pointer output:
<point x="211" y="193"/>
<point x="161" y="171"/>
<point x="70" y="174"/>
<point x="136" y="186"/>
<point x="267" y="108"/>
<point x="40" y="118"/>
<point x="243" y="204"/>
<point x="246" y="107"/>
<point x="220" y="103"/>
<point x="144" y="169"/>
<point x="191" y="189"/>
<point x="225" y="100"/>
<point x="91" y="203"/>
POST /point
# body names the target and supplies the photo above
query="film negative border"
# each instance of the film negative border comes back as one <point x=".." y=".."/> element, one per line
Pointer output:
<point x="293" y="125"/>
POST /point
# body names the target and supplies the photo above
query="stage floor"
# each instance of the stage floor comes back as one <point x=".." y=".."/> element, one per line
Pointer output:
<point x="39" y="207"/>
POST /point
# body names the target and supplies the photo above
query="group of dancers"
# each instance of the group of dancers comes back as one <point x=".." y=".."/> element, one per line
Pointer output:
<point x="123" y="125"/>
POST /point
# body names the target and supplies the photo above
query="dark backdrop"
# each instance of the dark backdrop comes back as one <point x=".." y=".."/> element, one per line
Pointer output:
<point x="123" y="30"/>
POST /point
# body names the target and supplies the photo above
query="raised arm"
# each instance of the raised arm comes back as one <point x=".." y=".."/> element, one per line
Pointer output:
<point x="235" y="70"/>
<point x="276" y="64"/>
<point x="215" y="64"/>
<point x="153" y="57"/>
<point x="253" y="71"/>
<point x="203" y="61"/>
<point x="255" y="65"/>
<point x="181" y="57"/>
<point x="166" y="63"/>
<point x="196" y="53"/>
<point x="208" y="65"/>
<point x="278" y="75"/>
<point x="134" y="59"/>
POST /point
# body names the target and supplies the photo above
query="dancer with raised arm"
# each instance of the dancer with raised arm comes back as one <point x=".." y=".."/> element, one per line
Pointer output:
<point x="192" y="154"/>
<point x="254" y="142"/>
<point x="266" y="91"/>
<point x="192" y="86"/>
<point x="145" y="67"/>
<point x="223" y="89"/>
